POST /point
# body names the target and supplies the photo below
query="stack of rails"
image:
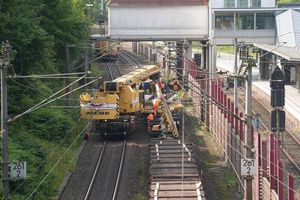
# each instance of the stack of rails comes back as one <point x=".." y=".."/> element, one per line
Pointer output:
<point x="167" y="179"/>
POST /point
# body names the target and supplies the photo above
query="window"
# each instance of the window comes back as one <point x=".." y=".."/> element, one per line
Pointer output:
<point x="245" y="21"/>
<point x="242" y="3"/>
<point x="229" y="3"/>
<point x="265" y="21"/>
<point x="224" y="22"/>
<point x="255" y="3"/>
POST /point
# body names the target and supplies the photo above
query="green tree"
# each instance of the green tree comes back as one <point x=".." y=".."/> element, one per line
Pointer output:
<point x="38" y="31"/>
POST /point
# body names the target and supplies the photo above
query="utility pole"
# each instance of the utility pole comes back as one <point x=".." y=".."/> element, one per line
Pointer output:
<point x="249" y="138"/>
<point x="86" y="63"/>
<point x="67" y="52"/>
<point x="235" y="99"/>
<point x="4" y="64"/>
<point x="249" y="141"/>
<point x="247" y="63"/>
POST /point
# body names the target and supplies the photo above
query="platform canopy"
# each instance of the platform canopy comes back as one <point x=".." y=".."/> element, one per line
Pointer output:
<point x="288" y="53"/>
<point x="158" y="19"/>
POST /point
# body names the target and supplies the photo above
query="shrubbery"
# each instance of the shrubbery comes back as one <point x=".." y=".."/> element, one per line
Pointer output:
<point x="38" y="32"/>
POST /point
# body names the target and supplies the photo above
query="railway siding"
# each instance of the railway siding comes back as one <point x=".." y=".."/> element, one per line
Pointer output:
<point x="173" y="171"/>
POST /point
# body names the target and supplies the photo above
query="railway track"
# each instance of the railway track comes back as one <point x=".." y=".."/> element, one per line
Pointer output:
<point x="173" y="171"/>
<point x="290" y="144"/>
<point x="105" y="181"/>
<point x="114" y="70"/>
<point x="128" y="58"/>
<point x="79" y="182"/>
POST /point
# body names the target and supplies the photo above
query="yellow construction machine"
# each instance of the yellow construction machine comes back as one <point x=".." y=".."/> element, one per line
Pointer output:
<point x="107" y="49"/>
<point x="114" y="107"/>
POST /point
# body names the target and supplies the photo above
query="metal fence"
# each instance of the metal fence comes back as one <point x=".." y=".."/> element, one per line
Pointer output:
<point x="228" y="127"/>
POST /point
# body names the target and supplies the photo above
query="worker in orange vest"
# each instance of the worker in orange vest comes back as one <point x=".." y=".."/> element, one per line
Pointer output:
<point x="155" y="105"/>
<point x="149" y="119"/>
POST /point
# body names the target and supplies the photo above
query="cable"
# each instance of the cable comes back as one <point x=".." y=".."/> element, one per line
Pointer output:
<point x="58" y="161"/>
<point x="228" y="145"/>
<point x="53" y="150"/>
<point x="237" y="151"/>
<point x="237" y="175"/>
<point x="46" y="75"/>
<point x="94" y="58"/>
<point x="206" y="96"/>
<point x="209" y="98"/>
<point x="21" y="85"/>
<point x="58" y="77"/>
<point x="211" y="128"/>
<point x="39" y="105"/>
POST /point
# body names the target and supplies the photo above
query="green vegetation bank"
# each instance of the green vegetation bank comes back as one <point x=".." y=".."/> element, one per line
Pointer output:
<point x="38" y="30"/>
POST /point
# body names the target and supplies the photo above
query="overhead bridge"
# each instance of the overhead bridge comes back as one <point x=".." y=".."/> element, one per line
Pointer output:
<point x="158" y="19"/>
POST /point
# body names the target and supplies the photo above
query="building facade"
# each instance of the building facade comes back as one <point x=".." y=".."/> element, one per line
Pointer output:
<point x="249" y="20"/>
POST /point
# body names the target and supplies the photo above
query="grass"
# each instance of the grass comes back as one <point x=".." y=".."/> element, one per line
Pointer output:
<point x="41" y="156"/>
<point x="95" y="70"/>
<point x="217" y="176"/>
<point x="226" y="49"/>
<point x="230" y="179"/>
<point x="142" y="182"/>
<point x="200" y="141"/>
<point x="288" y="1"/>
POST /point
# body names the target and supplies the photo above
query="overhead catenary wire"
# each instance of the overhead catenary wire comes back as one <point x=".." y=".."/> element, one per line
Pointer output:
<point x="57" y="162"/>
<point x="210" y="98"/>
<point x="24" y="86"/>
<point x="204" y="93"/>
<point x="96" y="57"/>
<point x="46" y="75"/>
<point x="223" y="148"/>
<point x="44" y="102"/>
<point x="241" y="182"/>
<point x="53" y="149"/>
<point x="58" y="77"/>
<point x="241" y="153"/>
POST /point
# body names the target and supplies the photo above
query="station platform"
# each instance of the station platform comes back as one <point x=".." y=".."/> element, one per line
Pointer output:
<point x="225" y="62"/>
<point x="292" y="97"/>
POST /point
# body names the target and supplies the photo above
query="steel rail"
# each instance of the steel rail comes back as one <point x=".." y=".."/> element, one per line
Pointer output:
<point x="123" y="57"/>
<point x="91" y="185"/>
<point x="284" y="150"/>
<point x="128" y="58"/>
<point x="116" y="188"/>
<point x="118" y="69"/>
<point x="109" y="70"/>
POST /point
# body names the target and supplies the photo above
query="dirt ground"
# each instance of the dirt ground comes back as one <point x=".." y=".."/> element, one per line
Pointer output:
<point x="218" y="179"/>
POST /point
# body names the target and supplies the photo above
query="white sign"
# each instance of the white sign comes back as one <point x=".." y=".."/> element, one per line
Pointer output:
<point x="248" y="167"/>
<point x="256" y="123"/>
<point x="99" y="106"/>
<point x="18" y="170"/>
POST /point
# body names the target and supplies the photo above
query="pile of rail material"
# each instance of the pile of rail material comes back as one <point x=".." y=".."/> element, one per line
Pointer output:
<point x="173" y="171"/>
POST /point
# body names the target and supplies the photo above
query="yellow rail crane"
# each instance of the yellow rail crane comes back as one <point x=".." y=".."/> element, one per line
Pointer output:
<point x="113" y="109"/>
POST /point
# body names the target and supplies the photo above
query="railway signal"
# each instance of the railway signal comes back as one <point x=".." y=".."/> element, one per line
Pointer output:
<point x="277" y="101"/>
<point x="277" y="88"/>
<point x="278" y="116"/>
